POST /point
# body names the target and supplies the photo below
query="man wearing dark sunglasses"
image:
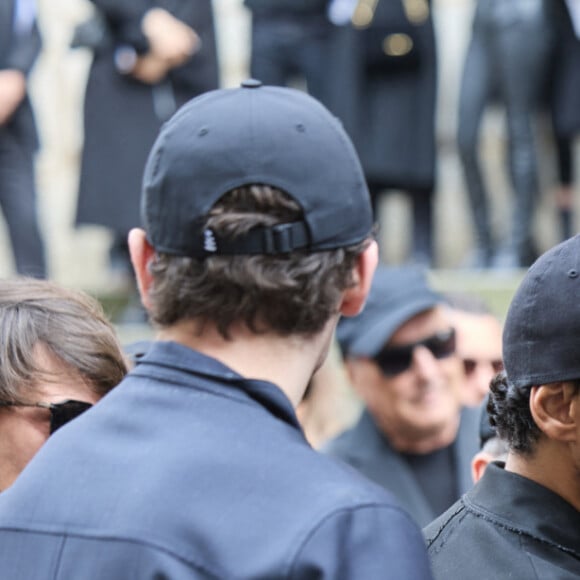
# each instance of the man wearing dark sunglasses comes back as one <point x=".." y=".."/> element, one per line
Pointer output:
<point x="58" y="356"/>
<point x="413" y="436"/>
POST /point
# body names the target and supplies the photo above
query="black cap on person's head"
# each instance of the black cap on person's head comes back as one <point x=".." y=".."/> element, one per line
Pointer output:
<point x="255" y="134"/>
<point x="542" y="327"/>
<point x="397" y="295"/>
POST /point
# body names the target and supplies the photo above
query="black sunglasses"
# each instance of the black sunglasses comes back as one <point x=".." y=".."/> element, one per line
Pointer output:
<point x="393" y="360"/>
<point x="60" y="413"/>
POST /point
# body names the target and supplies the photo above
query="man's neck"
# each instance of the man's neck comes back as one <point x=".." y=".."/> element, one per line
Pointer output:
<point x="288" y="362"/>
<point x="425" y="442"/>
<point x="550" y="466"/>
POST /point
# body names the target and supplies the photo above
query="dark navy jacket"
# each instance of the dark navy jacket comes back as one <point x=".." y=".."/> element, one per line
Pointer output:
<point x="506" y="527"/>
<point x="186" y="470"/>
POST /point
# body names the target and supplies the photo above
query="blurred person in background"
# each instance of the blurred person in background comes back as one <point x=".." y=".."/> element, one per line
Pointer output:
<point x="290" y="40"/>
<point x="413" y="437"/>
<point x="20" y="45"/>
<point x="506" y="62"/>
<point x="383" y="68"/>
<point x="478" y="343"/>
<point x="148" y="59"/>
<point x="58" y="356"/>
<point x="564" y="98"/>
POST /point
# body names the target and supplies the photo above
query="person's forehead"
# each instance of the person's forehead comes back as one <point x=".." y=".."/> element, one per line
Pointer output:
<point x="478" y="332"/>
<point x="422" y="325"/>
<point x="58" y="381"/>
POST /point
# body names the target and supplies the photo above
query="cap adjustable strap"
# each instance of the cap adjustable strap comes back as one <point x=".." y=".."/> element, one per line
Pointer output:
<point x="278" y="239"/>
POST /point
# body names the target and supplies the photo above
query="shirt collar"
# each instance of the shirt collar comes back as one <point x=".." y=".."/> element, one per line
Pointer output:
<point x="168" y="358"/>
<point x="527" y="507"/>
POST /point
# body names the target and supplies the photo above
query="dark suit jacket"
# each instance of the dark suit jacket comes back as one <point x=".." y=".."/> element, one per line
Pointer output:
<point x="390" y="117"/>
<point x="366" y="449"/>
<point x="19" y="51"/>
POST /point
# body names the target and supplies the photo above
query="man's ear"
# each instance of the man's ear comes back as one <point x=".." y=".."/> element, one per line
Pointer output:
<point x="555" y="410"/>
<point x="478" y="464"/>
<point x="141" y="255"/>
<point x="354" y="298"/>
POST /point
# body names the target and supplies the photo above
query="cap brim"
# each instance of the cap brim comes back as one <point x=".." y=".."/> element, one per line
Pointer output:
<point x="372" y="341"/>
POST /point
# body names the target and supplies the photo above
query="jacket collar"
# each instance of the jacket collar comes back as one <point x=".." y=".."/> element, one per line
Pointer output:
<point x="522" y="505"/>
<point x="173" y="362"/>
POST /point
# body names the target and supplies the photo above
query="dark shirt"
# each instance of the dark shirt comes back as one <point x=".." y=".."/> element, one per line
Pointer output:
<point x="506" y="527"/>
<point x="367" y="449"/>
<point x="187" y="470"/>
<point x="436" y="474"/>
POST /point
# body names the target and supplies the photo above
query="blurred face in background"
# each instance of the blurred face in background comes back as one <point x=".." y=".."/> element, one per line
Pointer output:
<point x="479" y="346"/>
<point x="412" y="388"/>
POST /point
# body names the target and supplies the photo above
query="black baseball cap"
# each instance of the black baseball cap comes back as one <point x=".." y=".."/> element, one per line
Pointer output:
<point x="542" y="328"/>
<point x="254" y="134"/>
<point x="397" y="295"/>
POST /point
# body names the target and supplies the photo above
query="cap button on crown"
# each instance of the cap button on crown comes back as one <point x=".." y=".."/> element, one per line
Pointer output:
<point x="251" y="84"/>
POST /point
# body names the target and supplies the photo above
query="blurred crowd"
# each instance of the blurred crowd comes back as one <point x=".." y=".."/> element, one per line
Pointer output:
<point x="374" y="63"/>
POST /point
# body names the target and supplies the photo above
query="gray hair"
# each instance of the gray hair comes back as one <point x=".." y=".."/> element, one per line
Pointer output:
<point x="69" y="324"/>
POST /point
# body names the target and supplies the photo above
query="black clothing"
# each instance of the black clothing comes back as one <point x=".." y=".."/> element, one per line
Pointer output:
<point x="391" y="117"/>
<point x="19" y="49"/>
<point x="565" y="73"/>
<point x="269" y="7"/>
<point x="289" y="42"/>
<point x="18" y="199"/>
<point x="365" y="448"/>
<point x="506" y="527"/>
<point x="436" y="475"/>
<point x="507" y="58"/>
<point x="122" y="116"/>
<point x="188" y="470"/>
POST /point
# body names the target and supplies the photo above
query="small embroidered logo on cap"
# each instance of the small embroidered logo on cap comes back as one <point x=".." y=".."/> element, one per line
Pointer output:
<point x="209" y="243"/>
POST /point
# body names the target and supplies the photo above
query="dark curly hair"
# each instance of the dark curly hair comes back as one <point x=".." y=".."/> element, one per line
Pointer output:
<point x="289" y="294"/>
<point x="509" y="412"/>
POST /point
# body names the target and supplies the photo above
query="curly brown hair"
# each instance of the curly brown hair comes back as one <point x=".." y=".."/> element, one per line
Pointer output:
<point x="288" y="294"/>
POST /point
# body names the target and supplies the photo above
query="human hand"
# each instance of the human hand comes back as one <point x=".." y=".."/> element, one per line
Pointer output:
<point x="169" y="38"/>
<point x="12" y="92"/>
<point x="150" y="69"/>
